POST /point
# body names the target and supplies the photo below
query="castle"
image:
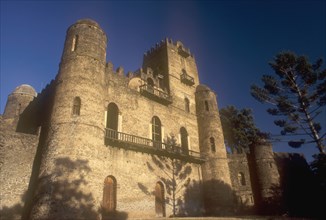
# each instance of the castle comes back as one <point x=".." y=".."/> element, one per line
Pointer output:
<point x="97" y="143"/>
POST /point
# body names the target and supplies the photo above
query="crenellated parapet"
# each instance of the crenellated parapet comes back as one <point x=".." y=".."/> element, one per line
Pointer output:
<point x="177" y="46"/>
<point x="158" y="46"/>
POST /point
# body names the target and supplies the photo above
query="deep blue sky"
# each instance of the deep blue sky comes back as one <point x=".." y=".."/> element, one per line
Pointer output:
<point x="232" y="41"/>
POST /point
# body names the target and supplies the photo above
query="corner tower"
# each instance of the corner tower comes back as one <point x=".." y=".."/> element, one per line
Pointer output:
<point x="17" y="102"/>
<point x="215" y="171"/>
<point x="76" y="125"/>
<point x="266" y="177"/>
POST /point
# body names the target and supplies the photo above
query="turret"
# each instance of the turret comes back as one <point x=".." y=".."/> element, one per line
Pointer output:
<point x="76" y="125"/>
<point x="17" y="102"/>
<point x="215" y="171"/>
<point x="266" y="178"/>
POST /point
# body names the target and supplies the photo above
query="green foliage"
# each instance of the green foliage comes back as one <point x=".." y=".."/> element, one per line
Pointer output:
<point x="298" y="94"/>
<point x="239" y="129"/>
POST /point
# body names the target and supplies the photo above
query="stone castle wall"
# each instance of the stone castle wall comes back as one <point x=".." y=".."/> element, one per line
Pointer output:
<point x="240" y="178"/>
<point x="17" y="152"/>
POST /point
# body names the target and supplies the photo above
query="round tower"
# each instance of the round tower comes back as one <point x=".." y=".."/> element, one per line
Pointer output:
<point x="17" y="102"/>
<point x="266" y="177"/>
<point x="215" y="171"/>
<point x="75" y="128"/>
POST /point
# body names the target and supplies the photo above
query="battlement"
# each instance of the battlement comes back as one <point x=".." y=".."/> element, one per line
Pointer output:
<point x="177" y="46"/>
<point x="156" y="47"/>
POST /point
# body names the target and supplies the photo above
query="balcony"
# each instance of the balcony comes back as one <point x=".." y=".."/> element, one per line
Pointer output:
<point x="186" y="79"/>
<point x="140" y="144"/>
<point x="155" y="94"/>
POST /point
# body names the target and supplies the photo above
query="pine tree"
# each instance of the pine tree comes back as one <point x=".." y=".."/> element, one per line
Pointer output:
<point x="298" y="96"/>
<point x="239" y="129"/>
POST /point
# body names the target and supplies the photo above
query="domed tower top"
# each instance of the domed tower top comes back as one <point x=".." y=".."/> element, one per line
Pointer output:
<point x="18" y="100"/>
<point x="25" y="89"/>
<point x="88" y="21"/>
<point x="206" y="101"/>
<point x="202" y="87"/>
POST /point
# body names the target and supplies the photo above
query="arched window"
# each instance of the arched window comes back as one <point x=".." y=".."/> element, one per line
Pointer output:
<point x="112" y="116"/>
<point x="206" y="105"/>
<point x="76" y="106"/>
<point x="212" y="143"/>
<point x="110" y="194"/>
<point x="156" y="129"/>
<point x="241" y="179"/>
<point x="187" y="105"/>
<point x="184" y="140"/>
<point x="159" y="200"/>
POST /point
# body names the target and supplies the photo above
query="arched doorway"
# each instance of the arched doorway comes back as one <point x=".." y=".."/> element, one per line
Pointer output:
<point x="159" y="200"/>
<point x="110" y="194"/>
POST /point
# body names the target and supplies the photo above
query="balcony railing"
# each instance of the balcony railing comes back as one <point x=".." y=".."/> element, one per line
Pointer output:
<point x="155" y="94"/>
<point x="186" y="79"/>
<point x="136" y="143"/>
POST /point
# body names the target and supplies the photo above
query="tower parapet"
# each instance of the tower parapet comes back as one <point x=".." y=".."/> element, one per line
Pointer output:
<point x="85" y="38"/>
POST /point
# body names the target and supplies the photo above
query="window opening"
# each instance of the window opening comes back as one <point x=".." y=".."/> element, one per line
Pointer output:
<point x="76" y="106"/>
<point x="112" y="116"/>
<point x="212" y="142"/>
<point x="241" y="179"/>
<point x="206" y="106"/>
<point x="187" y="105"/>
<point x="156" y="131"/>
<point x="74" y="43"/>
<point x="184" y="140"/>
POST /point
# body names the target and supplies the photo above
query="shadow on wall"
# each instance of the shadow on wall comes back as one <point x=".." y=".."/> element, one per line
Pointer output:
<point x="175" y="178"/>
<point x="113" y="215"/>
<point x="67" y="194"/>
<point x="70" y="196"/>
<point x="192" y="203"/>
<point x="68" y="199"/>
<point x="29" y="119"/>
<point x="175" y="174"/>
<point x="216" y="202"/>
<point x="11" y="213"/>
<point x="186" y="196"/>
